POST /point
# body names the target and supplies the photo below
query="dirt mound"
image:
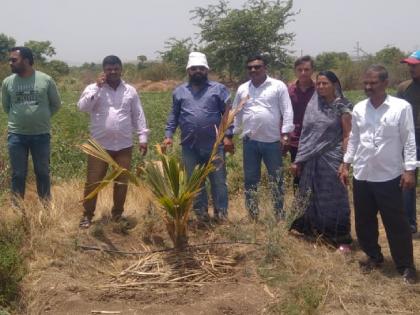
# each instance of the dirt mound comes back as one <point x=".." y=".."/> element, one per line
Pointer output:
<point x="153" y="86"/>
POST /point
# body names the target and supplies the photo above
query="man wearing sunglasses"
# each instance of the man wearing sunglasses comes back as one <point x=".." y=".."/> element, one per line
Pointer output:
<point x="264" y="123"/>
<point x="197" y="107"/>
<point x="29" y="98"/>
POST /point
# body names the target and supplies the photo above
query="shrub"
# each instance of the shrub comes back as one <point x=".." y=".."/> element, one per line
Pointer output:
<point x="11" y="263"/>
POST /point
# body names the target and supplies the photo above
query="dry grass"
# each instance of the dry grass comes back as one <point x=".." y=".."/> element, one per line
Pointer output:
<point x="299" y="277"/>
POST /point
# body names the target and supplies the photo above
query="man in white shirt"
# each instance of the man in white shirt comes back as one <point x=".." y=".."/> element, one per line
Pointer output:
<point x="265" y="119"/>
<point x="115" y="113"/>
<point x="382" y="151"/>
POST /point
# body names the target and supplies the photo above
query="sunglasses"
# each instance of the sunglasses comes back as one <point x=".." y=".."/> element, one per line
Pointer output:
<point x="13" y="60"/>
<point x="256" y="67"/>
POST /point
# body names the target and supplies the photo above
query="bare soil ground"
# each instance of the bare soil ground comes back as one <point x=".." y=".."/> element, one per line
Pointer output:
<point x="285" y="274"/>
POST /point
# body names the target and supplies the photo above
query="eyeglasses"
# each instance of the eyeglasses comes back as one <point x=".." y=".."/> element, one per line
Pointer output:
<point x="13" y="60"/>
<point x="256" y="67"/>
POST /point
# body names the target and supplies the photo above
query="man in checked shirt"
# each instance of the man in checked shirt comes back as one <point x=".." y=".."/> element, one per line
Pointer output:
<point x="115" y="113"/>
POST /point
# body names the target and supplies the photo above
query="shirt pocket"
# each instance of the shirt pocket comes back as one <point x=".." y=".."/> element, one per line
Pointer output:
<point x="268" y="98"/>
<point x="390" y="129"/>
<point x="211" y="105"/>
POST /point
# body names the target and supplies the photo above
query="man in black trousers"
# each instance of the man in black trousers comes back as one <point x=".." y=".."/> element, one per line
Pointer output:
<point x="382" y="150"/>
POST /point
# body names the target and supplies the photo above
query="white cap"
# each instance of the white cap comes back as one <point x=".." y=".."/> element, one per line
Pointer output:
<point x="197" y="59"/>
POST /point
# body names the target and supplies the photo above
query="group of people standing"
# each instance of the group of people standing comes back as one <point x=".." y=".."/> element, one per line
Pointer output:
<point x="313" y="121"/>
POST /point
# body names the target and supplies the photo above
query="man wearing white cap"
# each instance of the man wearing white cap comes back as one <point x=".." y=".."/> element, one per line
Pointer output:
<point x="410" y="91"/>
<point x="197" y="107"/>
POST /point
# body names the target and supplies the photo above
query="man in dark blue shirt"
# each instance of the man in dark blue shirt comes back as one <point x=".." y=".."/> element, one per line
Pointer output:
<point x="197" y="107"/>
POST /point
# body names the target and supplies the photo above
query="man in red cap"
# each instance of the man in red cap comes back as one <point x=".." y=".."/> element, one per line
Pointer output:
<point x="410" y="91"/>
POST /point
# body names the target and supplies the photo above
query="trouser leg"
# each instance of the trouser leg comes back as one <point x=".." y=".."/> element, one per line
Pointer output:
<point x="252" y="174"/>
<point x="96" y="170"/>
<point x="191" y="158"/>
<point x="272" y="157"/>
<point x="366" y="220"/>
<point x="123" y="158"/>
<point x="389" y="199"/>
<point x="218" y="185"/>
<point x="18" y="154"/>
<point x="40" y="152"/>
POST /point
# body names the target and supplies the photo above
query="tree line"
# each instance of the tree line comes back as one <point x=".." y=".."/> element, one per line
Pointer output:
<point x="227" y="36"/>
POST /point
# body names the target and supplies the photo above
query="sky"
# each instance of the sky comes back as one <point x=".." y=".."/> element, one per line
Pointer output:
<point x="87" y="30"/>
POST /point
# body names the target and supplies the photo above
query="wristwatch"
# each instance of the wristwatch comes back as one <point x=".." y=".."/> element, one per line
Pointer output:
<point x="285" y="138"/>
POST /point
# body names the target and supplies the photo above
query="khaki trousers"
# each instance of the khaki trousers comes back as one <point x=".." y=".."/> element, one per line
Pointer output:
<point x="96" y="171"/>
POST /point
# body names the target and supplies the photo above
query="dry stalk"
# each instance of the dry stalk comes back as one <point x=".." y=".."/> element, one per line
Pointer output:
<point x="191" y="267"/>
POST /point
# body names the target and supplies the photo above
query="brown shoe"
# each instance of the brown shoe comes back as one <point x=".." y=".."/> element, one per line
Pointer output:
<point x="369" y="264"/>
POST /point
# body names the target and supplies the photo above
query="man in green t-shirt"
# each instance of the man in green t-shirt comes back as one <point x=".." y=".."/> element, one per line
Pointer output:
<point x="410" y="91"/>
<point x="30" y="98"/>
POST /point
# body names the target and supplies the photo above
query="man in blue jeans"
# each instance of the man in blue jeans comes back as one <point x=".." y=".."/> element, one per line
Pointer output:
<point x="410" y="91"/>
<point x="264" y="122"/>
<point x="30" y="98"/>
<point x="197" y="107"/>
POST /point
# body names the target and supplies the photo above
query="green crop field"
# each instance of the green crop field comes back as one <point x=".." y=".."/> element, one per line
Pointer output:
<point x="70" y="129"/>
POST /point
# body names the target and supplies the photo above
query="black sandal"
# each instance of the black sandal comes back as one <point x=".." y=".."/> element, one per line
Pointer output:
<point x="85" y="222"/>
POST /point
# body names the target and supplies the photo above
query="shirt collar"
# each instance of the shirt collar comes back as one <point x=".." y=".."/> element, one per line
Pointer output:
<point x="122" y="84"/>
<point x="207" y="83"/>
<point x="309" y="88"/>
<point x="386" y="102"/>
<point x="267" y="80"/>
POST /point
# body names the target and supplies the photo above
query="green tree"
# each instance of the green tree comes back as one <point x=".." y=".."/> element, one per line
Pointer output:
<point x="231" y="35"/>
<point x="142" y="59"/>
<point x="41" y="49"/>
<point x="59" y="67"/>
<point x="389" y="55"/>
<point x="331" y="60"/>
<point x="6" y="42"/>
<point x="176" y="53"/>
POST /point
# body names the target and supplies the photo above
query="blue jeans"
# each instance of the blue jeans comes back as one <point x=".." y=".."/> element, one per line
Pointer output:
<point x="19" y="148"/>
<point x="253" y="153"/>
<point x="198" y="156"/>
<point x="409" y="198"/>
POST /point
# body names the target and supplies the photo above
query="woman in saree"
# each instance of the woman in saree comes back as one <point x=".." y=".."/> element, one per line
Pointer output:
<point x="321" y="199"/>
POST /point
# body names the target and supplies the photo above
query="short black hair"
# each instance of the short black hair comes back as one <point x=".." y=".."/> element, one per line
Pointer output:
<point x="25" y="53"/>
<point x="303" y="59"/>
<point x="111" y="60"/>
<point x="380" y="70"/>
<point x="257" y="57"/>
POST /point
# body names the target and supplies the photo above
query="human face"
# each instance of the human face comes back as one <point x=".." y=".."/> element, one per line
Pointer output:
<point x="17" y="64"/>
<point x="112" y="73"/>
<point x="197" y="74"/>
<point x="414" y="71"/>
<point x="325" y="87"/>
<point x="257" y="70"/>
<point x="373" y="84"/>
<point x="304" y="72"/>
